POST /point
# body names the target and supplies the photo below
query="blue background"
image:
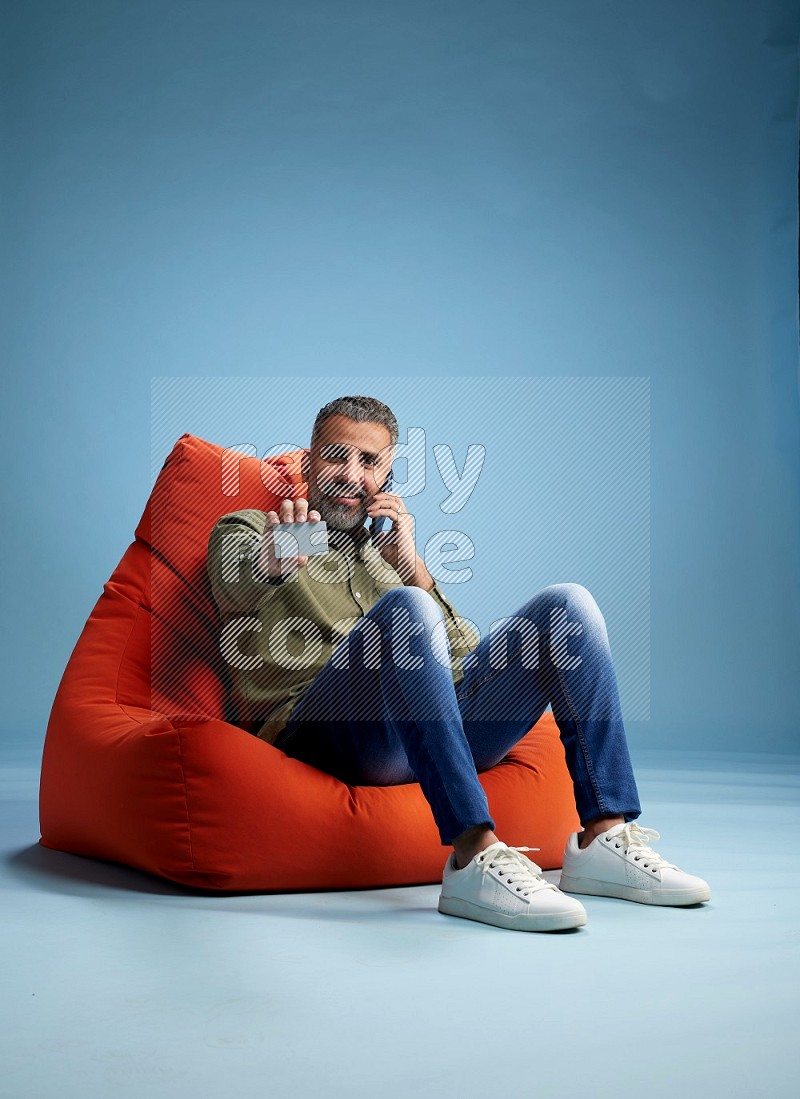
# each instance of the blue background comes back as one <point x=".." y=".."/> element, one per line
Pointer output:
<point x="400" y="196"/>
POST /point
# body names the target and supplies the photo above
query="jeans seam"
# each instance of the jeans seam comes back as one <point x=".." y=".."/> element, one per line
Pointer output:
<point x="433" y="770"/>
<point x="582" y="741"/>
<point x="434" y="773"/>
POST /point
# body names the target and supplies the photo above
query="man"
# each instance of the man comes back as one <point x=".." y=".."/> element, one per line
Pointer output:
<point x="356" y="663"/>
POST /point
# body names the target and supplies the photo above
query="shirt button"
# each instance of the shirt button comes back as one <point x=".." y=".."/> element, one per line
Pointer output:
<point x="358" y="595"/>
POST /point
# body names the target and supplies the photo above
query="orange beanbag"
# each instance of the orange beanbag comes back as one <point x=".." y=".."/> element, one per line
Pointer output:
<point x="141" y="767"/>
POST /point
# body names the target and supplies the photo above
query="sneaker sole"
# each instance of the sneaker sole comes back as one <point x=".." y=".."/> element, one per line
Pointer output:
<point x="546" y="921"/>
<point x="673" y="897"/>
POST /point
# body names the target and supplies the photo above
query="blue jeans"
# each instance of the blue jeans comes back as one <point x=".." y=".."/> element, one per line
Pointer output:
<point x="384" y="710"/>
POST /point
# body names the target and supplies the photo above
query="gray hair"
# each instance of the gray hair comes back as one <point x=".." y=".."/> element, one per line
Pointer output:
<point x="362" y="410"/>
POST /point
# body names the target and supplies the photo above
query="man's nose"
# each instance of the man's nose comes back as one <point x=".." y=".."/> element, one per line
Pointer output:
<point x="354" y="473"/>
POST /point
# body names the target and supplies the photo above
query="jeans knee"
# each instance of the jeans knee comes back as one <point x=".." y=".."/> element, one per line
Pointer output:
<point x="406" y="615"/>
<point x="576" y="598"/>
<point x="417" y="602"/>
<point x="559" y="604"/>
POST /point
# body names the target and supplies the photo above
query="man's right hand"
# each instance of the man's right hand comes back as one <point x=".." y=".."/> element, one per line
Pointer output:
<point x="291" y="511"/>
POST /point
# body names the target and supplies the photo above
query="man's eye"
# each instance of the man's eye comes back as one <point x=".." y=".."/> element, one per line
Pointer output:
<point x="369" y="461"/>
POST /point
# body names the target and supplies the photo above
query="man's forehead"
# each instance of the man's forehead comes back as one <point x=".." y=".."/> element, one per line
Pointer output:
<point x="353" y="431"/>
<point x="365" y="436"/>
<point x="338" y="447"/>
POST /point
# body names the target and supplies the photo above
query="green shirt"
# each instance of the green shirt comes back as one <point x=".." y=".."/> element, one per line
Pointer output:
<point x="332" y="592"/>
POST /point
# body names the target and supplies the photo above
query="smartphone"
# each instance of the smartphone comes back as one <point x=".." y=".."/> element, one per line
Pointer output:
<point x="300" y="539"/>
<point x="382" y="522"/>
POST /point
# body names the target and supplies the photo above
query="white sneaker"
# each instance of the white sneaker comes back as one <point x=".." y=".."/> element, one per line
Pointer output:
<point x="619" y="863"/>
<point x="500" y="886"/>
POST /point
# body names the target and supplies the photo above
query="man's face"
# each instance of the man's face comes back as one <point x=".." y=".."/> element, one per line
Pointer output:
<point x="348" y="462"/>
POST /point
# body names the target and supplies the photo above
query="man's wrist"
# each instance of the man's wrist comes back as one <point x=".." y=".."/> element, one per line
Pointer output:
<point x="423" y="579"/>
<point x="262" y="576"/>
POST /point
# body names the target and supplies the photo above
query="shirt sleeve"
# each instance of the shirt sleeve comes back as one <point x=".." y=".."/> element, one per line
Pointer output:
<point x="463" y="639"/>
<point x="237" y="584"/>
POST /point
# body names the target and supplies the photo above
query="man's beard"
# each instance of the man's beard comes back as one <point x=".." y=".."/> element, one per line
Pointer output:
<point x="337" y="516"/>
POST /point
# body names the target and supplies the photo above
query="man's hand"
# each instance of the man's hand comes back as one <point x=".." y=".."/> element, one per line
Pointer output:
<point x="291" y="511"/>
<point x="396" y="546"/>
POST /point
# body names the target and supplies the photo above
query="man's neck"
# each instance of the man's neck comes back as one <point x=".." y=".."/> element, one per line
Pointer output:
<point x="351" y="540"/>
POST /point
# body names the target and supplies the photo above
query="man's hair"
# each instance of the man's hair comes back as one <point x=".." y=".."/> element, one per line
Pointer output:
<point x="362" y="409"/>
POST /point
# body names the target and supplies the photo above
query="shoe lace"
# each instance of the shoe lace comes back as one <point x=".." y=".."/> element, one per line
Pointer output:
<point x="516" y="868"/>
<point x="635" y="840"/>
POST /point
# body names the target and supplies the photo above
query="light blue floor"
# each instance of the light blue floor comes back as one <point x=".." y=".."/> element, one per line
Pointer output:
<point x="114" y="983"/>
